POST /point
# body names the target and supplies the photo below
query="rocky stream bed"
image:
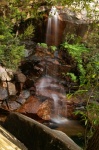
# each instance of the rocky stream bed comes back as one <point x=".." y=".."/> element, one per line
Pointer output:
<point x="38" y="90"/>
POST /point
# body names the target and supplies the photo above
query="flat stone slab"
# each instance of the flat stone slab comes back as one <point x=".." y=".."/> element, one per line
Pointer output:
<point x="9" y="142"/>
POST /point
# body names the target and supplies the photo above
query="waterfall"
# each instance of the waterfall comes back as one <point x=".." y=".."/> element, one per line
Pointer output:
<point x="49" y="86"/>
<point x="52" y="90"/>
<point x="52" y="27"/>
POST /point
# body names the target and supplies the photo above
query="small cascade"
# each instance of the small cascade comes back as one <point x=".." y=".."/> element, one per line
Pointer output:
<point x="50" y="88"/>
<point x="52" y="27"/>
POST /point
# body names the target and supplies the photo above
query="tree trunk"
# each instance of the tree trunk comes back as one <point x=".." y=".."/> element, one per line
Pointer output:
<point x="93" y="143"/>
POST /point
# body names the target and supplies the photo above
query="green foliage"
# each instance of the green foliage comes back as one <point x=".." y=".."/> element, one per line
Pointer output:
<point x="53" y="48"/>
<point x="66" y="2"/>
<point x="89" y="115"/>
<point x="92" y="67"/>
<point x="29" y="32"/>
<point x="73" y="77"/>
<point x="93" y="112"/>
<point x="43" y="45"/>
<point x="11" y="52"/>
<point x="91" y="119"/>
<point x="77" y="51"/>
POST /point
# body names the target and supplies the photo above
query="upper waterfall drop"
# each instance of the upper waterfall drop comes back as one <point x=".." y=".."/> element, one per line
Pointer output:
<point x="52" y="27"/>
<point x="53" y="12"/>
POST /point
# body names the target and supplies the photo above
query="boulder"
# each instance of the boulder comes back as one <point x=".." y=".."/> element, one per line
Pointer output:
<point x="30" y="106"/>
<point x="5" y="74"/>
<point x="3" y="93"/>
<point x="12" y="89"/>
<point x="34" y="135"/>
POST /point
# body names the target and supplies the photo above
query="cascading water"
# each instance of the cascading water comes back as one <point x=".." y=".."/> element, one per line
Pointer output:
<point x="49" y="86"/>
<point x="52" y="27"/>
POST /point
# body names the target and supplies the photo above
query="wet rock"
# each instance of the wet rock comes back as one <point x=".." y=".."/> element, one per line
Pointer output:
<point x="30" y="107"/>
<point x="52" y="67"/>
<point x="44" y="110"/>
<point x="49" y="87"/>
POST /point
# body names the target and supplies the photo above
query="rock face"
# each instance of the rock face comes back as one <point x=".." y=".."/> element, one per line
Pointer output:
<point x="37" y="136"/>
<point x="68" y="22"/>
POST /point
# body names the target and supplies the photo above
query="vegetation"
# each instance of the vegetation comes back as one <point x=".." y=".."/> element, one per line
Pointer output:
<point x="76" y="51"/>
<point x="29" y="32"/>
<point x="87" y="59"/>
<point x="11" y="52"/>
<point x="42" y="45"/>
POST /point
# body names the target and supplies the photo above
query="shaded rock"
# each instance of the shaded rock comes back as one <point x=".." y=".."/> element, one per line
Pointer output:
<point x="29" y="83"/>
<point x="21" y="100"/>
<point x="42" y="52"/>
<point x="36" y="66"/>
<point x="3" y="93"/>
<point x="10" y="105"/>
<point x="11" y="88"/>
<point x="33" y="134"/>
<point x="30" y="47"/>
<point x="20" y="79"/>
<point x="25" y="94"/>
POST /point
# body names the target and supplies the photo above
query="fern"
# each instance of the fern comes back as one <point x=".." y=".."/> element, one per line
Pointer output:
<point x="77" y="51"/>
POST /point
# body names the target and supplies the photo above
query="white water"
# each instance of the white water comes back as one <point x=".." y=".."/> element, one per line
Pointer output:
<point x="52" y="40"/>
<point x="52" y="27"/>
<point x="49" y="85"/>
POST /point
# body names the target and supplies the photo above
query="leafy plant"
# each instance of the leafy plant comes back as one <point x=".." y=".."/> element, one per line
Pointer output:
<point x="72" y="75"/>
<point x="90" y="115"/>
<point x="77" y="51"/>
<point x="43" y="45"/>
<point x="11" y="52"/>
<point x="29" y="32"/>
<point x="53" y="48"/>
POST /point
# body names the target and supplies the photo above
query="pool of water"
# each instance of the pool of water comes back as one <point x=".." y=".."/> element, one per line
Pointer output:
<point x="73" y="128"/>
